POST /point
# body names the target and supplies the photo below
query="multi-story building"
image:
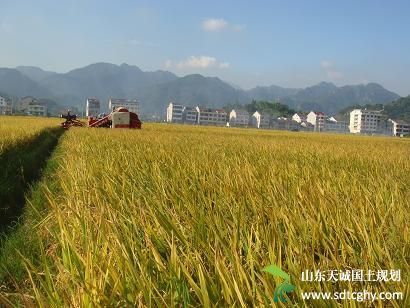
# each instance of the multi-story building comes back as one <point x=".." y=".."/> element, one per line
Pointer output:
<point x="260" y="120"/>
<point x="208" y="116"/>
<point x="306" y="127"/>
<point x="24" y="102"/>
<point x="132" y="105"/>
<point x="5" y="106"/>
<point x="282" y="123"/>
<point x="175" y="113"/>
<point x="299" y="117"/>
<point x="239" y="118"/>
<point x="398" y="128"/>
<point x="190" y="115"/>
<point x="31" y="106"/>
<point x="92" y="107"/>
<point x="317" y="119"/>
<point x="37" y="109"/>
<point x="363" y="121"/>
<point x="333" y="126"/>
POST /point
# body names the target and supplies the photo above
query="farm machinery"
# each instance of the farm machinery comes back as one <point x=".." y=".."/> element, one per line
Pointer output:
<point x="119" y="118"/>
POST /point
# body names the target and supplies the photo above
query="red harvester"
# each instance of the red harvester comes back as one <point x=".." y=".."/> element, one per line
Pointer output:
<point x="118" y="118"/>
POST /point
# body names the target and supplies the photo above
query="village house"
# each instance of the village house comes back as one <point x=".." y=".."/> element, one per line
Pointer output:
<point x="175" y="113"/>
<point x="398" y="128"/>
<point x="5" y="106"/>
<point x="239" y="118"/>
<point x="317" y="119"/>
<point x="260" y="120"/>
<point x="208" y="116"/>
<point x="92" y="107"/>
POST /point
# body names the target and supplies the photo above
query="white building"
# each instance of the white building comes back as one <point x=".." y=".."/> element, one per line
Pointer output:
<point x="190" y="115"/>
<point x="92" y="107"/>
<point x="30" y="106"/>
<point x="299" y="117"/>
<point x="37" y="109"/>
<point x="398" y="128"/>
<point x="282" y="123"/>
<point x="207" y="116"/>
<point x="175" y="113"/>
<point x="363" y="121"/>
<point x="306" y="127"/>
<point x="132" y="105"/>
<point x="333" y="126"/>
<point x="24" y="102"/>
<point x="260" y="120"/>
<point x="5" y="106"/>
<point x="317" y="119"/>
<point x="239" y="118"/>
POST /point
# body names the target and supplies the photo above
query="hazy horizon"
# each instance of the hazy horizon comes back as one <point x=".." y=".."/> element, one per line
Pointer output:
<point x="201" y="73"/>
<point x="264" y="43"/>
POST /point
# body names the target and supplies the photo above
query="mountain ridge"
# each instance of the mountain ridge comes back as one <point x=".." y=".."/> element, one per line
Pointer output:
<point x="156" y="88"/>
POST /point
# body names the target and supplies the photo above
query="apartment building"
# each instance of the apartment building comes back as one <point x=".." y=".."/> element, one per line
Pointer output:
<point x="299" y="117"/>
<point x="239" y="118"/>
<point x="282" y="123"/>
<point x="208" y="116"/>
<point x="190" y="115"/>
<point x="133" y="105"/>
<point x="31" y="106"/>
<point x="398" y="128"/>
<point x="92" y="107"/>
<point x="175" y="113"/>
<point x="260" y="120"/>
<point x="37" y="109"/>
<point x="5" y="106"/>
<point x="331" y="125"/>
<point x="317" y="119"/>
<point x="363" y="121"/>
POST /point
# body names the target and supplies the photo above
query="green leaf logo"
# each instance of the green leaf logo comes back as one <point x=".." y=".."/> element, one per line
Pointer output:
<point x="284" y="287"/>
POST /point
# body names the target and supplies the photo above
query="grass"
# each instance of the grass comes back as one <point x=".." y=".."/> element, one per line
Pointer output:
<point x="189" y="216"/>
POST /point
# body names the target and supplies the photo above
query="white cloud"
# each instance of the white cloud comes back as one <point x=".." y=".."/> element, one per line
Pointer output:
<point x="214" y="24"/>
<point x="197" y="62"/>
<point x="220" y="24"/>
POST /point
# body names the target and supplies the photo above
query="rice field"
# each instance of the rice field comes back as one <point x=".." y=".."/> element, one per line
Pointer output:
<point x="187" y="216"/>
<point x="21" y="129"/>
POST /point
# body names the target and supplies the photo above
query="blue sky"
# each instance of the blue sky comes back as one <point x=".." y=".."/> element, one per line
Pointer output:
<point x="248" y="43"/>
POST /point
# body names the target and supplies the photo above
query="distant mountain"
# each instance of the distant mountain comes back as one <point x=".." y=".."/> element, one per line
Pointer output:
<point x="103" y="80"/>
<point x="15" y="83"/>
<point x="399" y="109"/>
<point x="193" y="90"/>
<point x="329" y="98"/>
<point x="34" y="73"/>
<point x="156" y="89"/>
<point x="271" y="93"/>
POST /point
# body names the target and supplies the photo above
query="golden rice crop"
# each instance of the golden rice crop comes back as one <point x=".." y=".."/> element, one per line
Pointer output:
<point x="18" y="129"/>
<point x="188" y="216"/>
